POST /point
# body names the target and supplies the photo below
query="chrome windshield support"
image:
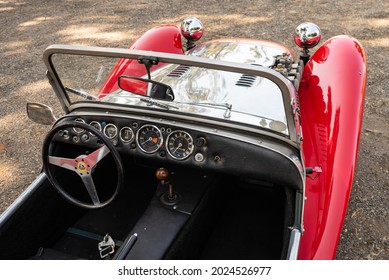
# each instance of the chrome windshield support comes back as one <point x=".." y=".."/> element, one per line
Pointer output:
<point x="294" y="244"/>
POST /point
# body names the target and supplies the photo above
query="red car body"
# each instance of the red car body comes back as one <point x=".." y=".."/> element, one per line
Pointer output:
<point x="331" y="96"/>
<point x="269" y="179"/>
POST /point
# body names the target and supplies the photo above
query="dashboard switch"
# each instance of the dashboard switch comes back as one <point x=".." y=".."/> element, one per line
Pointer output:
<point x="200" y="142"/>
<point x="199" y="157"/>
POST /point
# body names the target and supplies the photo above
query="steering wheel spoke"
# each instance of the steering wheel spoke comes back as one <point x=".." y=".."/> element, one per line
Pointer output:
<point x="93" y="158"/>
<point x="67" y="163"/>
<point x="90" y="187"/>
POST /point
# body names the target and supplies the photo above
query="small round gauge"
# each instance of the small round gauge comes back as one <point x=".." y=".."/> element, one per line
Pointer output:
<point x="77" y="129"/>
<point x="126" y="134"/>
<point x="110" y="130"/>
<point x="96" y="125"/>
<point x="179" y="144"/>
<point x="149" y="138"/>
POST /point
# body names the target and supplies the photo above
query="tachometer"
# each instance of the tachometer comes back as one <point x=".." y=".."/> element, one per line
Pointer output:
<point x="149" y="138"/>
<point x="179" y="144"/>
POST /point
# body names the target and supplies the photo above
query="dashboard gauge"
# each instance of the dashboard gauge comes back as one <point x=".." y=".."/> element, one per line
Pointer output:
<point x="149" y="138"/>
<point x="96" y="125"/>
<point x="77" y="129"/>
<point x="110" y="130"/>
<point x="126" y="134"/>
<point x="179" y="144"/>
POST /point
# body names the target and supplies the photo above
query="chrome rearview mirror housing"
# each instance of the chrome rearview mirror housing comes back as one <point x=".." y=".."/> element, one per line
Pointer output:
<point x="40" y="113"/>
<point x="146" y="88"/>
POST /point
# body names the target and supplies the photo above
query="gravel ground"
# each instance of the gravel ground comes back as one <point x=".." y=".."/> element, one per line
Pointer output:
<point x="28" y="27"/>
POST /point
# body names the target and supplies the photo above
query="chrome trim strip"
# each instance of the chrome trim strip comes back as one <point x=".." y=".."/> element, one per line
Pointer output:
<point x="294" y="244"/>
<point x="7" y="214"/>
<point x="283" y="83"/>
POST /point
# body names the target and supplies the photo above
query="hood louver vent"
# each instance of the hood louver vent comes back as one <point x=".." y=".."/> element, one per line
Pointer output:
<point x="179" y="71"/>
<point x="246" y="80"/>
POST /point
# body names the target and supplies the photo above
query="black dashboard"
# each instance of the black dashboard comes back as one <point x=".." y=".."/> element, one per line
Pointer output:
<point x="144" y="138"/>
<point x="187" y="144"/>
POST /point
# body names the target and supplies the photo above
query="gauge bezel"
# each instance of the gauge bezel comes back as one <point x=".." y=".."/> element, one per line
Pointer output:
<point x="120" y="134"/>
<point x="79" y="130"/>
<point x="105" y="130"/>
<point x="191" y="147"/>
<point x="95" y="127"/>
<point x="160" y="139"/>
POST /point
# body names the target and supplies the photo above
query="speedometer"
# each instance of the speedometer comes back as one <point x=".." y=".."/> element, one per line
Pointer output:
<point x="179" y="144"/>
<point x="149" y="138"/>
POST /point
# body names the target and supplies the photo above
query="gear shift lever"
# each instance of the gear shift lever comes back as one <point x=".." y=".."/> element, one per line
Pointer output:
<point x="169" y="197"/>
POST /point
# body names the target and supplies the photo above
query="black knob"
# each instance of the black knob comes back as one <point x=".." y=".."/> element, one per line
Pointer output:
<point x="199" y="142"/>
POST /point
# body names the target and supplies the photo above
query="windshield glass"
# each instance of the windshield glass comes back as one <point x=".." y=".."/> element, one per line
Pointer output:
<point x="227" y="96"/>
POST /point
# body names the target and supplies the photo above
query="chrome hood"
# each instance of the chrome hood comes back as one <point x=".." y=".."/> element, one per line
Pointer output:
<point x="251" y="95"/>
<point x="247" y="51"/>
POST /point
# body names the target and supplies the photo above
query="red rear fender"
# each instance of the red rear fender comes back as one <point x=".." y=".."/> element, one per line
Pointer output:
<point x="331" y="92"/>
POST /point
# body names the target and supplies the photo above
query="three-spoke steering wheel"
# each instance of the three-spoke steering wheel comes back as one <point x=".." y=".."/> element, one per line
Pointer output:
<point x="83" y="165"/>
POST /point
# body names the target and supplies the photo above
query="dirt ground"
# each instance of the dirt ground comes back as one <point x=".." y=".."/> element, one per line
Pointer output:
<point x="28" y="27"/>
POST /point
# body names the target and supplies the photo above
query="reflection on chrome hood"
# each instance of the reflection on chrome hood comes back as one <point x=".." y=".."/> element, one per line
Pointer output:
<point x="254" y="100"/>
<point x="238" y="50"/>
<point x="247" y="94"/>
<point x="217" y="112"/>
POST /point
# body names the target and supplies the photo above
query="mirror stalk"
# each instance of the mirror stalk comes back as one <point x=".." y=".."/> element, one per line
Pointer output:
<point x="148" y="62"/>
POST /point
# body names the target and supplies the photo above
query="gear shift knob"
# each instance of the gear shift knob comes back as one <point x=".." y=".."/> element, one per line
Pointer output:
<point x="170" y="197"/>
<point x="162" y="174"/>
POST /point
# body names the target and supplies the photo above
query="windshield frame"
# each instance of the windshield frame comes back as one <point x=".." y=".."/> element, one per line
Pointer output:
<point x="285" y="86"/>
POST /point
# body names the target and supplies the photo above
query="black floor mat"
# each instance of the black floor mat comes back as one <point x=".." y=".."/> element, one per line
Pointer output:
<point x="116" y="219"/>
<point x="250" y="226"/>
